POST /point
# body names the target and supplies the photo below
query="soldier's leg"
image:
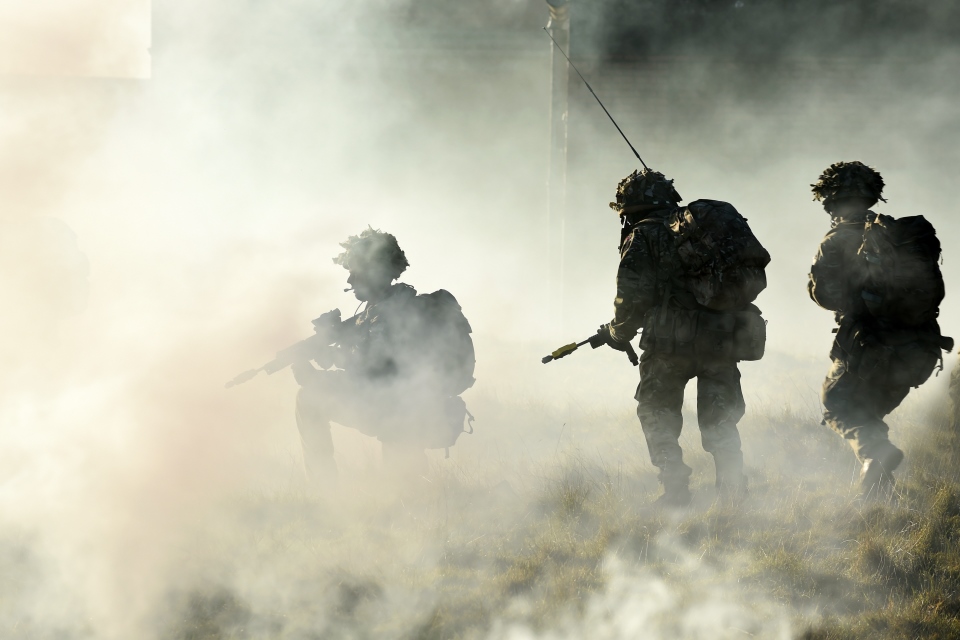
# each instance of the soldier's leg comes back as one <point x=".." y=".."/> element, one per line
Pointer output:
<point x="855" y="409"/>
<point x="847" y="409"/>
<point x="313" y="422"/>
<point x="720" y="407"/>
<point x="659" y="404"/>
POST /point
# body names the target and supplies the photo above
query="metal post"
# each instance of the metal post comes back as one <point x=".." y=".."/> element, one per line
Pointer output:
<point x="559" y="28"/>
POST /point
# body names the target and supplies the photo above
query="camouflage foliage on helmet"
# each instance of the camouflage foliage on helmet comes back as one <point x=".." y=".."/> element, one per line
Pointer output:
<point x="373" y="250"/>
<point x="644" y="187"/>
<point x="848" y="180"/>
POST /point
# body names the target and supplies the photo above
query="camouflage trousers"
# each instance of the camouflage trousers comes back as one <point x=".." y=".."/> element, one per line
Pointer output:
<point x="720" y="406"/>
<point x="333" y="396"/>
<point x="855" y="408"/>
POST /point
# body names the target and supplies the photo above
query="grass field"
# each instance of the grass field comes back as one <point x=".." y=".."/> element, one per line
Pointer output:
<point x="557" y="537"/>
<point x="569" y="546"/>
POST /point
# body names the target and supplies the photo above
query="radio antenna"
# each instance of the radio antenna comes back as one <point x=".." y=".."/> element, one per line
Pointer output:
<point x="598" y="99"/>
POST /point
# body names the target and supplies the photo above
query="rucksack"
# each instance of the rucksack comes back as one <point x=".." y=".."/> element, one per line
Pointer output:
<point x="900" y="257"/>
<point x="447" y="345"/>
<point x="722" y="261"/>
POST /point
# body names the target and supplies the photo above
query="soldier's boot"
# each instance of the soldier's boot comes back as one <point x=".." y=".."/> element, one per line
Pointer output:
<point x="675" y="494"/>
<point x="876" y="475"/>
<point x="675" y="479"/>
<point x="731" y="483"/>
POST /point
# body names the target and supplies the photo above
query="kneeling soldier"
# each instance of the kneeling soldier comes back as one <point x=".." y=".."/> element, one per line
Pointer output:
<point x="401" y="364"/>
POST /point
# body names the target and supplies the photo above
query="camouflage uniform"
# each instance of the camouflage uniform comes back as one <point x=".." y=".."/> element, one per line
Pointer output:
<point x="860" y="388"/>
<point x="649" y="273"/>
<point x="389" y="382"/>
<point x="852" y="407"/>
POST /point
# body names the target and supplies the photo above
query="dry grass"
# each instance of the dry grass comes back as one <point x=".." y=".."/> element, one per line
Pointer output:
<point x="540" y="543"/>
<point x="535" y="558"/>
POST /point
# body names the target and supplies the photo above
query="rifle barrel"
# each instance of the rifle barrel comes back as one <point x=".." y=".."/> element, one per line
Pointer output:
<point x="243" y="377"/>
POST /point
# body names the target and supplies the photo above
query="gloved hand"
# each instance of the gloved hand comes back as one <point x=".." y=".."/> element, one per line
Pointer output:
<point x="304" y="372"/>
<point x="604" y="337"/>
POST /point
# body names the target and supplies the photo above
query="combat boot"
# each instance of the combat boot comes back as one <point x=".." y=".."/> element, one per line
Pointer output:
<point x="676" y="494"/>
<point x="674" y="477"/>
<point x="731" y="483"/>
<point x="876" y="476"/>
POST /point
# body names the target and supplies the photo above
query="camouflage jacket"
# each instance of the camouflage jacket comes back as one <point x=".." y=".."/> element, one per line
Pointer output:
<point x="648" y="263"/>
<point x="836" y="276"/>
<point x="410" y="343"/>
<point x="378" y="344"/>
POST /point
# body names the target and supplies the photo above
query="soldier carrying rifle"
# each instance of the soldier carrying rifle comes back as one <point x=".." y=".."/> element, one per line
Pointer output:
<point x="687" y="277"/>
<point x="394" y="371"/>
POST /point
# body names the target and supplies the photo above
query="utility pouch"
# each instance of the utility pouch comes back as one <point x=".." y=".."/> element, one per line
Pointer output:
<point x="749" y="335"/>
<point x="898" y="358"/>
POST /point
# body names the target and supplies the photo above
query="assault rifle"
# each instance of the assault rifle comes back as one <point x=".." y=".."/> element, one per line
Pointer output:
<point x="328" y="330"/>
<point x="594" y="341"/>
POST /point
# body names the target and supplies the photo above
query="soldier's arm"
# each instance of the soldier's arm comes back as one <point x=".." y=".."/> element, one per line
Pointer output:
<point x="636" y="288"/>
<point x="828" y="274"/>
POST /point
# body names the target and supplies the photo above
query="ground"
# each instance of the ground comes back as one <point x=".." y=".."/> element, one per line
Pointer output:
<point x="559" y="538"/>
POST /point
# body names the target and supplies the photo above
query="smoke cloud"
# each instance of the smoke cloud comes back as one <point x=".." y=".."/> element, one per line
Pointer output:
<point x="169" y="221"/>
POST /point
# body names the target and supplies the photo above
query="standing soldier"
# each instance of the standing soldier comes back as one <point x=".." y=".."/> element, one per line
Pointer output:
<point x="687" y="276"/>
<point x="880" y="277"/>
<point x="401" y="365"/>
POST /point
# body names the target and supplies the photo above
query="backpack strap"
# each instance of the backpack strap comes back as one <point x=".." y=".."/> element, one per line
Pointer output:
<point x="629" y="225"/>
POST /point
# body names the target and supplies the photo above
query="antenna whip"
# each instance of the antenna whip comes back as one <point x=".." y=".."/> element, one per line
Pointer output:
<point x="598" y="99"/>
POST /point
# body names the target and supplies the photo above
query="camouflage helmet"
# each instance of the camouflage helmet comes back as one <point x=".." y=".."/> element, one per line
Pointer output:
<point x="371" y="251"/>
<point x="643" y="188"/>
<point x="848" y="180"/>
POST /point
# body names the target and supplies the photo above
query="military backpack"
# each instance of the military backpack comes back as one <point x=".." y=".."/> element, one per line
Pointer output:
<point x="900" y="257"/>
<point x="722" y="265"/>
<point x="447" y="345"/>
<point x="722" y="261"/>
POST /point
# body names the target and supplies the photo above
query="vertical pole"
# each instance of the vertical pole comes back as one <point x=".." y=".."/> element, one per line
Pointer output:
<point x="559" y="28"/>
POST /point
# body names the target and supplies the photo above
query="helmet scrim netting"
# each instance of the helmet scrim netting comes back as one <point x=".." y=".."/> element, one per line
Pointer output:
<point x="848" y="180"/>
<point x="645" y="187"/>
<point x="373" y="250"/>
